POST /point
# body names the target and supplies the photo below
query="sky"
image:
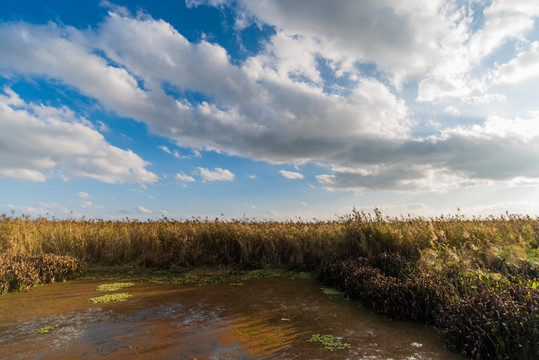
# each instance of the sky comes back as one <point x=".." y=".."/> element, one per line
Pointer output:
<point x="277" y="110"/>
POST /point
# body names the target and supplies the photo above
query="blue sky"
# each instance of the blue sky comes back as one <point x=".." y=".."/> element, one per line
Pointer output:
<point x="269" y="110"/>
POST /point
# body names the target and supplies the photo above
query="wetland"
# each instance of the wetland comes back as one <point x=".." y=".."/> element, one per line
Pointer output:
<point x="264" y="318"/>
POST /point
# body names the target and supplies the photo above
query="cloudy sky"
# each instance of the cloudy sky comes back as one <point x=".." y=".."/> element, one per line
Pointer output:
<point x="269" y="109"/>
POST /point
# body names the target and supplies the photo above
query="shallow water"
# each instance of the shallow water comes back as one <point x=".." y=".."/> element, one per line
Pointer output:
<point x="270" y="318"/>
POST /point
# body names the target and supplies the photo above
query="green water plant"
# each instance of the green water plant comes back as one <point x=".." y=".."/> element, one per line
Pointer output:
<point x="263" y="273"/>
<point x="110" y="298"/>
<point x="46" y="329"/>
<point x="328" y="342"/>
<point x="113" y="286"/>
<point x="331" y="292"/>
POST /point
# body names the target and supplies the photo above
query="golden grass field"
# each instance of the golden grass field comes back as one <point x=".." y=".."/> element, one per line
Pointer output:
<point x="475" y="279"/>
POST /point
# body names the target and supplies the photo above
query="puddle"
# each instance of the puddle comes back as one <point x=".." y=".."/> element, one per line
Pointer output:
<point x="270" y="318"/>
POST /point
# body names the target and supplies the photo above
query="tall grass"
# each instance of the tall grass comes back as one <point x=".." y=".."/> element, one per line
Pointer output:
<point x="506" y="245"/>
<point x="168" y="243"/>
<point x="476" y="279"/>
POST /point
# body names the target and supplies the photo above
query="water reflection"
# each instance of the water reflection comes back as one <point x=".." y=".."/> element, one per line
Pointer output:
<point x="268" y="318"/>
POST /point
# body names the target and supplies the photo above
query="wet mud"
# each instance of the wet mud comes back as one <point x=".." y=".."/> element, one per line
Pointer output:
<point x="269" y="318"/>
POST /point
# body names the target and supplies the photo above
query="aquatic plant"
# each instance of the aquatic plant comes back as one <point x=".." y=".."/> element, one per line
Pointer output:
<point x="46" y="329"/>
<point x="331" y="292"/>
<point x="110" y="298"/>
<point x="328" y="342"/>
<point x="113" y="286"/>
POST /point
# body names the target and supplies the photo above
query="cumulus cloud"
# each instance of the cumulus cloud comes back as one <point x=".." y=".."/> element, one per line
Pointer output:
<point x="217" y="174"/>
<point x="291" y="174"/>
<point x="524" y="66"/>
<point x="400" y="38"/>
<point x="184" y="178"/>
<point x="499" y="149"/>
<point x="40" y="141"/>
<point x="281" y="106"/>
<point x="453" y="75"/>
<point x="435" y="42"/>
<point x="242" y="119"/>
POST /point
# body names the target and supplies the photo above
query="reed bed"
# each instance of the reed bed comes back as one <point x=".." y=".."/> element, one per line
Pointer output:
<point x="21" y="272"/>
<point x="475" y="279"/>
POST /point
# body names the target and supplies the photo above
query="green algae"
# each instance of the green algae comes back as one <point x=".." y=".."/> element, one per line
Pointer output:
<point x="113" y="286"/>
<point x="110" y="298"/>
<point x="331" y="292"/>
<point x="46" y="329"/>
<point x="328" y="342"/>
<point x="198" y="277"/>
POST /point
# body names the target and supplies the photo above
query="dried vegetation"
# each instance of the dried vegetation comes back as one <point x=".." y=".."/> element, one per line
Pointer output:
<point x="475" y="279"/>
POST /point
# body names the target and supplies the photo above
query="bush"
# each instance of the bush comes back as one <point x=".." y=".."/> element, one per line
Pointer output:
<point x="21" y="272"/>
<point x="500" y="322"/>
<point x="481" y="317"/>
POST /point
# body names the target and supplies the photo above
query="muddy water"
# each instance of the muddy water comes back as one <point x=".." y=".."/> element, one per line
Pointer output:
<point x="269" y="318"/>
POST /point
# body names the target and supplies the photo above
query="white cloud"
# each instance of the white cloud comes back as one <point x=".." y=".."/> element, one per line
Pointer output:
<point x="279" y="106"/>
<point x="455" y="74"/>
<point x="43" y="209"/>
<point x="400" y="38"/>
<point x="291" y="174"/>
<point x="524" y="129"/>
<point x="195" y="3"/>
<point x="217" y="174"/>
<point x="103" y="127"/>
<point x="84" y="195"/>
<point x="184" y="178"/>
<point x="40" y="141"/>
<point x="499" y="149"/>
<point x="452" y="110"/>
<point x="244" y="115"/>
<point x="165" y="149"/>
<point x="176" y="154"/>
<point x="504" y="20"/>
<point x="523" y="182"/>
<point x="252" y="176"/>
<point x="23" y="174"/>
<point x="525" y="66"/>
<point x="143" y="210"/>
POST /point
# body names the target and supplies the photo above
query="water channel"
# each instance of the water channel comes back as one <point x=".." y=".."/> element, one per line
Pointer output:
<point x="269" y="318"/>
